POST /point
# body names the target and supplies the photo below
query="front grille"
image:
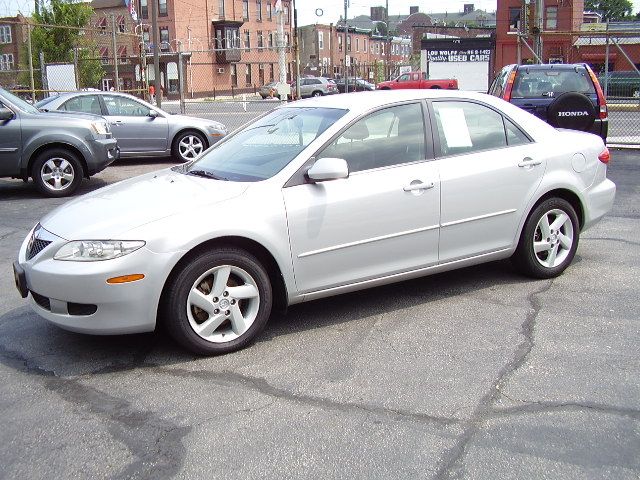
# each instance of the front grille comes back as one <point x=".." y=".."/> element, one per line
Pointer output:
<point x="36" y="247"/>
<point x="41" y="300"/>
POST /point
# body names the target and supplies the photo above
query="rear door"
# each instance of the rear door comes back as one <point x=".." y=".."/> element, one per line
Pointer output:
<point x="10" y="144"/>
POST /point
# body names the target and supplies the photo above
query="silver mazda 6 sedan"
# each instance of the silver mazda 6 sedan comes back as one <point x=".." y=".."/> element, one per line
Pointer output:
<point x="316" y="198"/>
<point x="142" y="129"/>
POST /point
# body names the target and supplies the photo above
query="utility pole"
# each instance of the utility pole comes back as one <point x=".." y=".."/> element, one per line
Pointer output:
<point x="282" y="62"/>
<point x="115" y="52"/>
<point x="346" y="31"/>
<point x="29" y="52"/>
<point x="153" y="5"/>
<point x="388" y="52"/>
<point x="296" y="42"/>
<point x="538" y="27"/>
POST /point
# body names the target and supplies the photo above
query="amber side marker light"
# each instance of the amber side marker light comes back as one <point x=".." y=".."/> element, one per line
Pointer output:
<point x="605" y="156"/>
<point x="126" y="278"/>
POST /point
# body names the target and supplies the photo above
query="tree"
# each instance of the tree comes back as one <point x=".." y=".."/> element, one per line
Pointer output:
<point x="611" y="9"/>
<point x="65" y="36"/>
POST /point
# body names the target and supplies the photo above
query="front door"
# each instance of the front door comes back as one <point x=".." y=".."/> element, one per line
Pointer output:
<point x="489" y="170"/>
<point x="383" y="219"/>
<point x="133" y="127"/>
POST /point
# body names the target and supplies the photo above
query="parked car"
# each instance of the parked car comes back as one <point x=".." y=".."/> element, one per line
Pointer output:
<point x="55" y="149"/>
<point x="271" y="89"/>
<point x="316" y="198"/>
<point x="621" y="84"/>
<point x="563" y="95"/>
<point x="355" y="85"/>
<point x="142" y="129"/>
<point x="315" y="87"/>
<point x="417" y="80"/>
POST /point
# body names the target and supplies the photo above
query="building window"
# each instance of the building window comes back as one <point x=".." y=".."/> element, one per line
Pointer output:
<point x="269" y="14"/>
<point x="382" y="49"/>
<point x="357" y="44"/>
<point x="144" y="8"/>
<point x="164" y="37"/>
<point x="552" y="18"/>
<point x="286" y="15"/>
<point x="259" y="10"/>
<point x="348" y="43"/>
<point x="121" y="24"/>
<point x="260" y="39"/>
<point x="234" y="75"/>
<point x="245" y="9"/>
<point x="102" y="26"/>
<point x="162" y="8"/>
<point x="5" y="33"/>
<point x="104" y="55"/>
<point x="339" y="43"/>
<point x="514" y="18"/>
<point x="221" y="8"/>
<point x="248" y="75"/>
<point x="247" y="39"/>
<point x="270" y="39"/>
<point x="321" y="40"/>
<point x="6" y="61"/>
<point x="271" y="72"/>
<point x="377" y="48"/>
<point x="287" y="40"/>
<point x="364" y="41"/>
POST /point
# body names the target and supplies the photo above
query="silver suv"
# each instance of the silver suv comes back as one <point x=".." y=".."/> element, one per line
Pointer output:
<point x="55" y="149"/>
<point x="316" y="87"/>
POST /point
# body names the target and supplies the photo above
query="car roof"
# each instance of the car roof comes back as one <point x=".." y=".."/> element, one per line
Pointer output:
<point x="551" y="66"/>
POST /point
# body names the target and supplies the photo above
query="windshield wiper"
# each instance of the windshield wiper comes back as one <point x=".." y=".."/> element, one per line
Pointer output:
<point x="205" y="174"/>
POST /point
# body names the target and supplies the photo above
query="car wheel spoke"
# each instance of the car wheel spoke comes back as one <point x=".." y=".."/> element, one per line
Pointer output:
<point x="553" y="253"/>
<point x="543" y="246"/>
<point x="560" y="220"/>
<point x="243" y="292"/>
<point x="51" y="164"/>
<point x="220" y="280"/>
<point x="64" y="164"/>
<point x="209" y="326"/>
<point x="46" y="177"/>
<point x="68" y="177"/>
<point x="57" y="183"/>
<point x="565" y="241"/>
<point x="238" y="322"/>
<point x="545" y="229"/>
<point x="200" y="300"/>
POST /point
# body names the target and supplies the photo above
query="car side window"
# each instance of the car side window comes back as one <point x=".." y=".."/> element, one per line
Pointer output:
<point x="391" y="136"/>
<point x="404" y="77"/>
<point x="126" y="107"/>
<point x="83" y="103"/>
<point x="465" y="127"/>
<point x="515" y="136"/>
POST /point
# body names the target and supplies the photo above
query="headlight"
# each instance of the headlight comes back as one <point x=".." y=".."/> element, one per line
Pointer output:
<point x="100" y="128"/>
<point x="217" y="126"/>
<point x="94" y="250"/>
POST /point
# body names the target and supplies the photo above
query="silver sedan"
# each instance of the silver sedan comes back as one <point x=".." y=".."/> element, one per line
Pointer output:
<point x="142" y="130"/>
<point x="314" y="199"/>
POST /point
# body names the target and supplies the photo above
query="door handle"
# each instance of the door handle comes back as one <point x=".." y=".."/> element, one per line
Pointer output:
<point x="527" y="162"/>
<point x="117" y="122"/>
<point x="419" y="186"/>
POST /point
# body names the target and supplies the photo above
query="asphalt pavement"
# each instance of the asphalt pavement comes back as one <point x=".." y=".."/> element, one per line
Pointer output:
<point x="477" y="373"/>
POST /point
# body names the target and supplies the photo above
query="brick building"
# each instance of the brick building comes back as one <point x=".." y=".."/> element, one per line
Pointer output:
<point x="13" y="38"/>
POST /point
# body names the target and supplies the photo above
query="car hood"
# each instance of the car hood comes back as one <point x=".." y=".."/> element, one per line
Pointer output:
<point x="110" y="212"/>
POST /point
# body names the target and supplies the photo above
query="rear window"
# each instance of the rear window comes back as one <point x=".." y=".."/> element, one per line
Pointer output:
<point x="549" y="83"/>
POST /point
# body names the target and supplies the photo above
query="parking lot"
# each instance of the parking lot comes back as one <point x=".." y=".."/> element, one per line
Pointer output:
<point x="477" y="373"/>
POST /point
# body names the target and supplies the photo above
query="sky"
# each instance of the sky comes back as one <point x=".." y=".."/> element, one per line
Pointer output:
<point x="331" y="10"/>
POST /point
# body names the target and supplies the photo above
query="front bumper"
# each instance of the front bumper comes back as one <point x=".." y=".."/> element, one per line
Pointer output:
<point x="75" y="295"/>
<point x="103" y="152"/>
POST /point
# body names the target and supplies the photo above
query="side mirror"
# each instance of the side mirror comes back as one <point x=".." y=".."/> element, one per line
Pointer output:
<point x="328" y="169"/>
<point x="5" y="114"/>
<point x="153" y="114"/>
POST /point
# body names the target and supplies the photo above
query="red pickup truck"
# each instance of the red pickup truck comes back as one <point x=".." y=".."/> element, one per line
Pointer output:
<point x="417" y="80"/>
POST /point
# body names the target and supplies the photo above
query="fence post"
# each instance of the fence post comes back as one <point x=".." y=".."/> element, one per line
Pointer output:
<point x="43" y="74"/>
<point x="115" y="51"/>
<point x="181" y="81"/>
<point x="75" y="67"/>
<point x="31" y="80"/>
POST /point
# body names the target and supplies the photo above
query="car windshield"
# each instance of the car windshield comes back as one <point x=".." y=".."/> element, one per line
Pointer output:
<point x="548" y="83"/>
<point x="18" y="102"/>
<point x="266" y="146"/>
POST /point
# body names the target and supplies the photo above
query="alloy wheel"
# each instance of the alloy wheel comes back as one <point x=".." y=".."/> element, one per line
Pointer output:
<point x="57" y="174"/>
<point x="553" y="238"/>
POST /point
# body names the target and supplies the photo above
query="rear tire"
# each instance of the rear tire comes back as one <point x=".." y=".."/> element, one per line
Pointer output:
<point x="218" y="302"/>
<point x="57" y="172"/>
<point x="549" y="240"/>
<point x="317" y="93"/>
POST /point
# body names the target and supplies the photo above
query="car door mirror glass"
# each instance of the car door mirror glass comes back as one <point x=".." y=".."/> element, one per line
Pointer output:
<point x="328" y="169"/>
<point x="5" y="114"/>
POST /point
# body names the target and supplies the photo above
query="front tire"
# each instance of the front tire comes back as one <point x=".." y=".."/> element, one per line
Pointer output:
<point x="549" y="240"/>
<point x="188" y="145"/>
<point x="57" y="172"/>
<point x="219" y="302"/>
<point x="317" y="93"/>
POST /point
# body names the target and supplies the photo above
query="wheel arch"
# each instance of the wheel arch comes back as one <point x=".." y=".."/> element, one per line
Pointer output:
<point x="280" y="300"/>
<point x="63" y="145"/>
<point x="187" y="129"/>
<point x="567" y="195"/>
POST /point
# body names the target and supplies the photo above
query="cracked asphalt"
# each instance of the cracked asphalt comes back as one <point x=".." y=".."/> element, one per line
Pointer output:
<point x="478" y="373"/>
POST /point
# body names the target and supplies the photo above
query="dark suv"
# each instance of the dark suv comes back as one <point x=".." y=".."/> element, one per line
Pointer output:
<point x="563" y="95"/>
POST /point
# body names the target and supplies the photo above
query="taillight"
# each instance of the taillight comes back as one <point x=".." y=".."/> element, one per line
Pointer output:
<point x="509" y="87"/>
<point x="605" y="156"/>
<point x="601" y="100"/>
